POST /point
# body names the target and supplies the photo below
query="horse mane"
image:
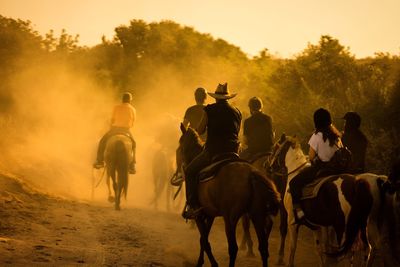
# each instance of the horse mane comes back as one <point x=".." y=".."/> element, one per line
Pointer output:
<point x="194" y="136"/>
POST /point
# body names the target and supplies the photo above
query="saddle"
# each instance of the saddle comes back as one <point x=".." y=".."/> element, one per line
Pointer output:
<point x="218" y="162"/>
<point x="311" y="189"/>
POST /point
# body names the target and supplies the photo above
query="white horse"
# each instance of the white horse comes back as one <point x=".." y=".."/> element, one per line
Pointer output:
<point x="339" y="211"/>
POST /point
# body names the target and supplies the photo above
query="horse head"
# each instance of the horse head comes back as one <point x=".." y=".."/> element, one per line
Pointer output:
<point x="287" y="156"/>
<point x="190" y="145"/>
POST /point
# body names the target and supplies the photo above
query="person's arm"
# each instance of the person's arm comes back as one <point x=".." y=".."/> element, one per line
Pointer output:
<point x="133" y="117"/>
<point x="312" y="154"/>
<point x="202" y="125"/>
<point x="113" y="116"/>
<point x="313" y="143"/>
<point x="186" y="121"/>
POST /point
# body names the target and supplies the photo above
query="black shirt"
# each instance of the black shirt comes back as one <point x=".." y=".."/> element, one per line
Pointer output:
<point x="357" y="143"/>
<point x="223" y="126"/>
<point x="258" y="131"/>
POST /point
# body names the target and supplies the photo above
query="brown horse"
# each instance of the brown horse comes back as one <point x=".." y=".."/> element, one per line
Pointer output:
<point x="263" y="163"/>
<point x="162" y="169"/>
<point x="118" y="155"/>
<point x="238" y="188"/>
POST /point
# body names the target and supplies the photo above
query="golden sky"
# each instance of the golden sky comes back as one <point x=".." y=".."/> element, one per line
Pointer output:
<point x="283" y="26"/>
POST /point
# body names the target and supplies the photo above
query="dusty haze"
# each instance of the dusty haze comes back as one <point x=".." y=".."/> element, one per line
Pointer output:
<point x="60" y="113"/>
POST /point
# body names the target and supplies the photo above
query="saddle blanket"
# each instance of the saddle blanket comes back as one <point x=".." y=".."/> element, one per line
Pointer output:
<point x="311" y="190"/>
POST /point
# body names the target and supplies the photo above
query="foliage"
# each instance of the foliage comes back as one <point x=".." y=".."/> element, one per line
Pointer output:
<point x="145" y="56"/>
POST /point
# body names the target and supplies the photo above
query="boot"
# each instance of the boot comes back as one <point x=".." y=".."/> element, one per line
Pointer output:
<point x="191" y="211"/>
<point x="132" y="168"/>
<point x="299" y="215"/>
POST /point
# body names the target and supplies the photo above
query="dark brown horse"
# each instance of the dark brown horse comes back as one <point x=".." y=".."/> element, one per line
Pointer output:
<point x="263" y="164"/>
<point x="118" y="155"/>
<point x="238" y="188"/>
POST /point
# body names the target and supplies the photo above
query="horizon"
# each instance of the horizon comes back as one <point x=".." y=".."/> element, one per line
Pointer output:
<point x="371" y="31"/>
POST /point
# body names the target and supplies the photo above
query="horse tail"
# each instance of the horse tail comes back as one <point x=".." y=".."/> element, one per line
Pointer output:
<point x="122" y="165"/>
<point x="358" y="216"/>
<point x="264" y="190"/>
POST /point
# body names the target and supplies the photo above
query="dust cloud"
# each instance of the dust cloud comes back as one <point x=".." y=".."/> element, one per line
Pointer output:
<point x="60" y="113"/>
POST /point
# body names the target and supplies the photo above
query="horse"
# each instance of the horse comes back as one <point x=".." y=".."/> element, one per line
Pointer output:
<point x="162" y="168"/>
<point x="118" y="155"/>
<point x="237" y="188"/>
<point x="387" y="221"/>
<point x="343" y="206"/>
<point x="262" y="162"/>
<point x="389" y="232"/>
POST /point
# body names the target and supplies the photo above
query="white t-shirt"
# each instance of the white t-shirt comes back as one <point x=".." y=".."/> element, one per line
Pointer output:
<point x="323" y="149"/>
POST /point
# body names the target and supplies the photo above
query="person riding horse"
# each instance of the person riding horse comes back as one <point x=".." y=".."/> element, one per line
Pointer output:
<point x="222" y="122"/>
<point x="323" y="144"/>
<point x="354" y="139"/>
<point x="122" y="120"/>
<point x="195" y="113"/>
<point x="257" y="131"/>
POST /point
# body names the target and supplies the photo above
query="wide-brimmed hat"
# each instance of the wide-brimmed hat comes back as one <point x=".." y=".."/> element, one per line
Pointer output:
<point x="222" y="92"/>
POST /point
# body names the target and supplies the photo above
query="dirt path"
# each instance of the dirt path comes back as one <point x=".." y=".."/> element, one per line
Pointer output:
<point x="40" y="230"/>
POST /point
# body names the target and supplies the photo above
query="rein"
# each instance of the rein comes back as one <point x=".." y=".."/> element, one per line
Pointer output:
<point x="100" y="179"/>
<point x="284" y="172"/>
<point x="298" y="168"/>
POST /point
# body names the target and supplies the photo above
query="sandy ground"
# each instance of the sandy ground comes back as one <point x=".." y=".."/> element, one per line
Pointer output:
<point x="42" y="230"/>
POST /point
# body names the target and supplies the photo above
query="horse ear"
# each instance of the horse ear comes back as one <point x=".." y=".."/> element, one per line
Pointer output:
<point x="283" y="138"/>
<point x="183" y="128"/>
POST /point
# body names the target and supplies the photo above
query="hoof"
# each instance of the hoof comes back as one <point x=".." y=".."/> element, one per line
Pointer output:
<point x="117" y="208"/>
<point x="111" y="199"/>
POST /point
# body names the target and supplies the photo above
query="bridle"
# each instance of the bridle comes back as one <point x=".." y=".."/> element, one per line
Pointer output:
<point x="280" y="162"/>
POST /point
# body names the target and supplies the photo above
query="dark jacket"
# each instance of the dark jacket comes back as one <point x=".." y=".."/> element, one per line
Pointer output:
<point x="357" y="143"/>
<point x="258" y="131"/>
<point x="223" y="126"/>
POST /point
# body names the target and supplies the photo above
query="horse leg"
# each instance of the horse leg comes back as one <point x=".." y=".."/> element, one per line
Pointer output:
<point x="293" y="232"/>
<point x="230" y="231"/>
<point x="283" y="231"/>
<point x="263" y="226"/>
<point x="321" y="238"/>
<point x="204" y="225"/>
<point x="117" y="192"/>
<point x="365" y="246"/>
<point x="110" y="196"/>
<point x="246" y="240"/>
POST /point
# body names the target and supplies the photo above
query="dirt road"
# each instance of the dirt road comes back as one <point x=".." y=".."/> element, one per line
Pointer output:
<point x="42" y="230"/>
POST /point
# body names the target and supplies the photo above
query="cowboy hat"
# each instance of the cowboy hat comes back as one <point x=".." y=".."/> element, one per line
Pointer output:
<point x="222" y="92"/>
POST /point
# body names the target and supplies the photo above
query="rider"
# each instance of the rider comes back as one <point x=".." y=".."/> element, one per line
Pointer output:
<point x="354" y="139"/>
<point x="122" y="120"/>
<point x="257" y="131"/>
<point x="221" y="121"/>
<point x="323" y="144"/>
<point x="194" y="113"/>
